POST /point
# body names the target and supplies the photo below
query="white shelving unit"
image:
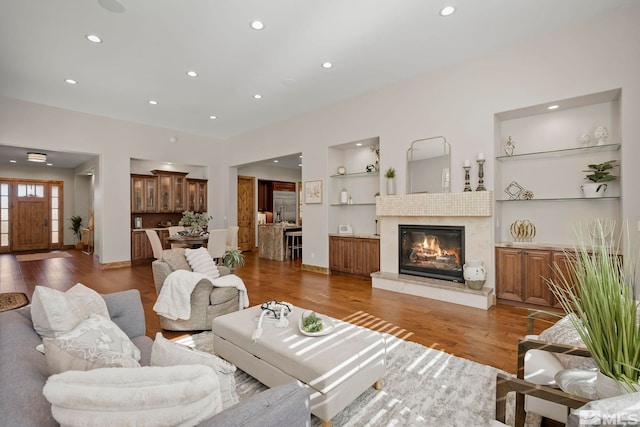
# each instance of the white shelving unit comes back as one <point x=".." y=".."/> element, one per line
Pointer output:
<point x="550" y="160"/>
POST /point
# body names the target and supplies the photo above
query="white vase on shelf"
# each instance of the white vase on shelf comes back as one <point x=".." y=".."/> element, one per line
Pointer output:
<point x="391" y="186"/>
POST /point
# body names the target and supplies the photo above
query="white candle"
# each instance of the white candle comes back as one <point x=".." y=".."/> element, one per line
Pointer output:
<point x="467" y="163"/>
<point x="480" y="156"/>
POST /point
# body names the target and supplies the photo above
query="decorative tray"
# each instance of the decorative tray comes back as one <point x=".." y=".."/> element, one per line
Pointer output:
<point x="327" y="324"/>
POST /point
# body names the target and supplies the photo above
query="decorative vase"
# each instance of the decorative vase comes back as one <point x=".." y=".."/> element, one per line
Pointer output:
<point x="601" y="134"/>
<point x="474" y="274"/>
<point x="593" y="190"/>
<point x="608" y="387"/>
<point x="391" y="186"/>
<point x="344" y="196"/>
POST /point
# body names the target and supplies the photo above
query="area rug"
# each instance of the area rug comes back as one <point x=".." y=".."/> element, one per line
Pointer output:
<point x="12" y="300"/>
<point x="422" y="386"/>
<point x="41" y="256"/>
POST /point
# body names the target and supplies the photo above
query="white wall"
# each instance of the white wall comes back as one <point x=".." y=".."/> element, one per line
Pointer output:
<point x="459" y="102"/>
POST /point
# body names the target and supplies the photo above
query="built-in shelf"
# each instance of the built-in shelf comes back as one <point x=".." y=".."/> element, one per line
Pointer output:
<point x="356" y="174"/>
<point x="559" y="199"/>
<point x="563" y="152"/>
<point x="353" y="204"/>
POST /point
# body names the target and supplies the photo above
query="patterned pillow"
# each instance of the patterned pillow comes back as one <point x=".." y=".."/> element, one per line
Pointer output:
<point x="148" y="396"/>
<point x="201" y="262"/>
<point x="169" y="353"/>
<point x="176" y="259"/>
<point x="563" y="332"/>
<point x="101" y="333"/>
<point x="71" y="355"/>
<point x="55" y="313"/>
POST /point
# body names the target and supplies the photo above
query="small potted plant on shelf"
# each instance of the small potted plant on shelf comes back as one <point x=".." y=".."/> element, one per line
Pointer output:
<point x="390" y="174"/>
<point x="233" y="257"/>
<point x="76" y="225"/>
<point x="196" y="221"/>
<point x="599" y="174"/>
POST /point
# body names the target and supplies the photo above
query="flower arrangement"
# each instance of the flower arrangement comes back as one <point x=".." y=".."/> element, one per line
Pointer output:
<point x="197" y="221"/>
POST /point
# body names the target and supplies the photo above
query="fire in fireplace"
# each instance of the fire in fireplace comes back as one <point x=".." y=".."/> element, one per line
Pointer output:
<point x="435" y="251"/>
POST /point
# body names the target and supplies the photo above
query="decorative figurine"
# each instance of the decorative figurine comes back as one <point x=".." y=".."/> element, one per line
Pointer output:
<point x="585" y="140"/>
<point x="509" y="147"/>
<point x="601" y="134"/>
<point x="527" y="195"/>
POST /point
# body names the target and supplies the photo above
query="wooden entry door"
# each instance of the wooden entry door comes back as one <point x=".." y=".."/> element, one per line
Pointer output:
<point x="30" y="216"/>
<point x="246" y="213"/>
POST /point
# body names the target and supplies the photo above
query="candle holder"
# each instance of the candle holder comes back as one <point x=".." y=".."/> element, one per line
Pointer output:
<point x="481" y="175"/>
<point x="467" y="178"/>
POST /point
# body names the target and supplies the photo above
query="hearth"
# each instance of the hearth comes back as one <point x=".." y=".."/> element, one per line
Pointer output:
<point x="435" y="251"/>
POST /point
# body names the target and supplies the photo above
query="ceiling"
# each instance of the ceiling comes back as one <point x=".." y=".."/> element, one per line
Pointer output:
<point x="18" y="156"/>
<point x="149" y="45"/>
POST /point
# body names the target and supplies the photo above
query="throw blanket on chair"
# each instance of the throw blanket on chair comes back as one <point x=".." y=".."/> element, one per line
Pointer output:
<point x="174" y="301"/>
<point x="231" y="280"/>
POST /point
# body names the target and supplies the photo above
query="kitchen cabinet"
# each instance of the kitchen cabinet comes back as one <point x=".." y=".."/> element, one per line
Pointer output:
<point x="197" y="195"/>
<point x="143" y="194"/>
<point x="172" y="191"/>
<point x="140" y="246"/>
<point x="354" y="255"/>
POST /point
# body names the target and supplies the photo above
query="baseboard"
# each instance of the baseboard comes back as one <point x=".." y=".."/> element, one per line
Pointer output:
<point x="315" y="269"/>
<point x="119" y="264"/>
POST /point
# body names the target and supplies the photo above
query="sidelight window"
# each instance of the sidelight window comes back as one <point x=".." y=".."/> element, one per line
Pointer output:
<point x="55" y="214"/>
<point x="4" y="215"/>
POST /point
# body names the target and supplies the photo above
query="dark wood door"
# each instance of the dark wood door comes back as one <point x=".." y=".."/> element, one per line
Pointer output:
<point x="246" y="213"/>
<point x="509" y="274"/>
<point x="537" y="268"/>
<point x="30" y="216"/>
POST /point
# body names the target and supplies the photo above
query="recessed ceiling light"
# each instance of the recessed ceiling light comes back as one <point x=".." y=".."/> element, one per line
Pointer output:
<point x="299" y="164"/>
<point x="300" y="156"/>
<point x="192" y="74"/>
<point x="71" y="81"/>
<point x="93" y="38"/>
<point x="257" y="25"/>
<point x="12" y="161"/>
<point x="359" y="144"/>
<point x="213" y="117"/>
<point x="276" y="161"/>
<point x="172" y="139"/>
<point x="152" y="102"/>
<point x="447" y="11"/>
<point x="257" y="96"/>
<point x="327" y="65"/>
<point x="169" y="163"/>
<point x="553" y="107"/>
<point x="49" y="164"/>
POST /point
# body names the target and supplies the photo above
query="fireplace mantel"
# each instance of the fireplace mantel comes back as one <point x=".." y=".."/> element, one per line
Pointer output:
<point x="473" y="210"/>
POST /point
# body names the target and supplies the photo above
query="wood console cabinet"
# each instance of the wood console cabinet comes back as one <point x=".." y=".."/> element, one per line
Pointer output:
<point x="354" y="255"/>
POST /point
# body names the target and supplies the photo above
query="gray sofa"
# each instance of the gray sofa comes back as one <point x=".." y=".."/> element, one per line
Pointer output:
<point x="207" y="301"/>
<point x="23" y="373"/>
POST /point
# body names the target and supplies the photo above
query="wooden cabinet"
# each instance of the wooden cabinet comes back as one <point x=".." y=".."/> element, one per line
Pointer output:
<point x="143" y="194"/>
<point x="521" y="275"/>
<point x="354" y="255"/>
<point x="140" y="246"/>
<point x="265" y="192"/>
<point x="172" y="191"/>
<point x="197" y="195"/>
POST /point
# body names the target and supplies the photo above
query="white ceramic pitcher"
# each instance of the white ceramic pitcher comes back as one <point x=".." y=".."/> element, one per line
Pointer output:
<point x="474" y="274"/>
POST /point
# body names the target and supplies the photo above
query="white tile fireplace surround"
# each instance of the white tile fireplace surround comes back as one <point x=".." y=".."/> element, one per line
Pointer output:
<point x="473" y="210"/>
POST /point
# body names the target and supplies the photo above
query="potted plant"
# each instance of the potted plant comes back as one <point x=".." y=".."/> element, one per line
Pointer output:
<point x="390" y="174"/>
<point x="233" y="257"/>
<point x="597" y="294"/>
<point x="76" y="225"/>
<point x="197" y="221"/>
<point x="599" y="174"/>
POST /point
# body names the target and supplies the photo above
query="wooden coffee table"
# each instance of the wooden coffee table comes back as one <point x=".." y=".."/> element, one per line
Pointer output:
<point x="336" y="367"/>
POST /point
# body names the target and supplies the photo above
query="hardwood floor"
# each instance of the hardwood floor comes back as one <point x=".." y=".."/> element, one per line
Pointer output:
<point x="485" y="336"/>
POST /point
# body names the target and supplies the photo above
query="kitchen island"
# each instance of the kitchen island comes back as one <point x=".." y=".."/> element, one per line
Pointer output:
<point x="272" y="242"/>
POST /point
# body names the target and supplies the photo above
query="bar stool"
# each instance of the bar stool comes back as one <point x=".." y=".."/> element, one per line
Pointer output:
<point x="294" y="244"/>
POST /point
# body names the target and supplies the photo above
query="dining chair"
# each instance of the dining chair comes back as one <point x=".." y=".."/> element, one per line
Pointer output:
<point x="217" y="244"/>
<point x="173" y="231"/>
<point x="232" y="237"/>
<point x="156" y="244"/>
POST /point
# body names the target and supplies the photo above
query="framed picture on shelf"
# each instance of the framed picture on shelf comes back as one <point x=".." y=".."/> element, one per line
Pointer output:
<point x="313" y="192"/>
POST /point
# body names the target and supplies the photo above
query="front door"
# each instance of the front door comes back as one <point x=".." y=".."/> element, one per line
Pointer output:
<point x="246" y="213"/>
<point x="30" y="216"/>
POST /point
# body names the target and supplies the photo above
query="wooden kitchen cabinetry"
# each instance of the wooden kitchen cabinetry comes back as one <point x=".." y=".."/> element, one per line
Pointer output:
<point x="144" y="194"/>
<point x="197" y="195"/>
<point x="140" y="246"/>
<point x="354" y="255"/>
<point x="521" y="274"/>
<point x="172" y="191"/>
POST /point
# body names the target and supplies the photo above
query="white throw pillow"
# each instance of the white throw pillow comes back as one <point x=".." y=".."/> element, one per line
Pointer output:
<point x="102" y="333"/>
<point x="71" y="355"/>
<point x="148" y="396"/>
<point x="169" y="353"/>
<point x="201" y="262"/>
<point x="563" y="332"/>
<point x="55" y="313"/>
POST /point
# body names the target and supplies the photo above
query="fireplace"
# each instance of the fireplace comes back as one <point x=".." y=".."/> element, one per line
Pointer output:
<point x="435" y="251"/>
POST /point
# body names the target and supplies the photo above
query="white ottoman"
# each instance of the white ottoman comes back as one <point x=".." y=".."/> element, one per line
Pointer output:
<point x="336" y="367"/>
